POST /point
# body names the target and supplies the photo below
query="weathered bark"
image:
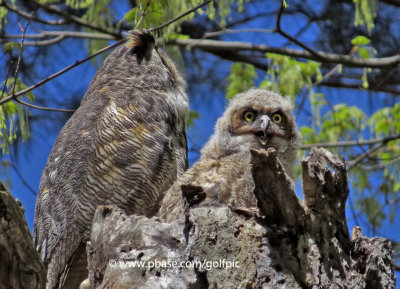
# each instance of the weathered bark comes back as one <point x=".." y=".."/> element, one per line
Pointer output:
<point x="20" y="263"/>
<point x="287" y="245"/>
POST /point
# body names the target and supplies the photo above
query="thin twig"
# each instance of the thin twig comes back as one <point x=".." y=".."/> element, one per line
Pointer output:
<point x="76" y="19"/>
<point x="287" y="36"/>
<point x="43" y="81"/>
<point x="381" y="165"/>
<point x="327" y="75"/>
<point x="20" y="176"/>
<point x="42" y="107"/>
<point x="78" y="62"/>
<point x="143" y="14"/>
<point x="20" y="54"/>
<point x="7" y="76"/>
<point x="233" y="31"/>
<point x="27" y="15"/>
<point x="357" y="160"/>
<point x="386" y="77"/>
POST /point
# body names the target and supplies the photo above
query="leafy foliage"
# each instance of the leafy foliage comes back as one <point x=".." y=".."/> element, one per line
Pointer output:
<point x="13" y="116"/>
<point x="366" y="11"/>
<point x="240" y="79"/>
<point x="288" y="76"/>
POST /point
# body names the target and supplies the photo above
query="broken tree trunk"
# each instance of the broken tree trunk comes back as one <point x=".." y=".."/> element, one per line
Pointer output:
<point x="20" y="263"/>
<point x="287" y="245"/>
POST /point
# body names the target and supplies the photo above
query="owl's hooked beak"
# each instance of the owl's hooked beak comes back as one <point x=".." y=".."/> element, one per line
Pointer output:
<point x="260" y="131"/>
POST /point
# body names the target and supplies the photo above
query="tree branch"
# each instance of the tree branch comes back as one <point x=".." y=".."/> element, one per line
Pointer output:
<point x="76" y="34"/>
<point x="27" y="15"/>
<point x="180" y="16"/>
<point x="224" y="46"/>
<point x="43" y="81"/>
<point x="289" y="37"/>
<point x="42" y="107"/>
<point x="54" y="10"/>
<point x="350" y="143"/>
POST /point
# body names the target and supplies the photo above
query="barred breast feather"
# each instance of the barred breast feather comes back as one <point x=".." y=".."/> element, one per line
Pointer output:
<point x="124" y="145"/>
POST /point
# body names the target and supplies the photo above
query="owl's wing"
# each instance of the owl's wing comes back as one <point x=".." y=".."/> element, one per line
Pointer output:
<point x="124" y="153"/>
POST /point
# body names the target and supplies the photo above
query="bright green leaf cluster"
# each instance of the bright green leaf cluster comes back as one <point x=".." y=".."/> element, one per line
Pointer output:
<point x="342" y="122"/>
<point x="366" y="11"/>
<point x="79" y="4"/>
<point x="383" y="123"/>
<point x="288" y="76"/>
<point x="374" y="208"/>
<point x="3" y="16"/>
<point x="365" y="52"/>
<point x="241" y="78"/>
<point x="193" y="115"/>
<point x="13" y="116"/>
<point x="158" y="12"/>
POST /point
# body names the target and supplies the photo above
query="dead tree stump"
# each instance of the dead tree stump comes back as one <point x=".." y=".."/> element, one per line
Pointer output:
<point x="289" y="244"/>
<point x="20" y="263"/>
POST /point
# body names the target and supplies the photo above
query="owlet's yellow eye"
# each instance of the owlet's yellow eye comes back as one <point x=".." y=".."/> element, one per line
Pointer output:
<point x="277" y="118"/>
<point x="249" y="116"/>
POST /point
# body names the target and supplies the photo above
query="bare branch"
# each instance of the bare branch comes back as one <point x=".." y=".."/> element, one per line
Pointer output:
<point x="53" y="9"/>
<point x="224" y="46"/>
<point x="42" y="107"/>
<point x="279" y="30"/>
<point x="233" y="31"/>
<point x="43" y="81"/>
<point x="367" y="154"/>
<point x="350" y="143"/>
<point x="75" y="34"/>
<point x="20" y="54"/>
<point x="27" y="15"/>
<point x="327" y="75"/>
<point x="54" y="40"/>
<point x="381" y="165"/>
<point x="62" y="13"/>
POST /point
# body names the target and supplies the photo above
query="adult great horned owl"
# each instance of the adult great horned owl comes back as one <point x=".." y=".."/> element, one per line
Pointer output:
<point x="125" y="145"/>
<point x="253" y="120"/>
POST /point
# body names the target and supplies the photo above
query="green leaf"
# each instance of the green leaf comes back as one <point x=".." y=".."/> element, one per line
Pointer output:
<point x="360" y="40"/>
<point x="366" y="12"/>
<point x="240" y="79"/>
<point x="3" y="16"/>
<point x="79" y="4"/>
<point x="193" y="115"/>
<point x="10" y="46"/>
<point x="285" y="5"/>
<point x="131" y="16"/>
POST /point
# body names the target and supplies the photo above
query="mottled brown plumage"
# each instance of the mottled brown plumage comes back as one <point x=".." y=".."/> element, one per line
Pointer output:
<point x="253" y="120"/>
<point x="125" y="145"/>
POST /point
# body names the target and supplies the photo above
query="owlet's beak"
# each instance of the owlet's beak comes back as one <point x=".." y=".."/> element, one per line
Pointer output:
<point x="260" y="130"/>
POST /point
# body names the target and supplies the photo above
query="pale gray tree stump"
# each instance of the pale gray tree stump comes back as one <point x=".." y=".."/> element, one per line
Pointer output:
<point x="287" y="244"/>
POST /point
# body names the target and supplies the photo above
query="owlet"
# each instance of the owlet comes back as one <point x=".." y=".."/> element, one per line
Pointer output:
<point x="254" y="119"/>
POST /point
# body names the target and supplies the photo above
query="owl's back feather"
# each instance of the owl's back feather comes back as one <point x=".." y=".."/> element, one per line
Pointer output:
<point x="124" y="145"/>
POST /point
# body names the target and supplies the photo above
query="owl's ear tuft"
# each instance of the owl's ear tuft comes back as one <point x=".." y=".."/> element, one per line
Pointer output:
<point x="141" y="43"/>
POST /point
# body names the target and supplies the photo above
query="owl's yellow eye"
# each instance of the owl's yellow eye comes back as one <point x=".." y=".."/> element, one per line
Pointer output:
<point x="249" y="116"/>
<point x="277" y="118"/>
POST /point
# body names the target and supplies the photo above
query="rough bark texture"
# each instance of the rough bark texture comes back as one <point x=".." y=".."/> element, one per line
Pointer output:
<point x="286" y="245"/>
<point x="20" y="264"/>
